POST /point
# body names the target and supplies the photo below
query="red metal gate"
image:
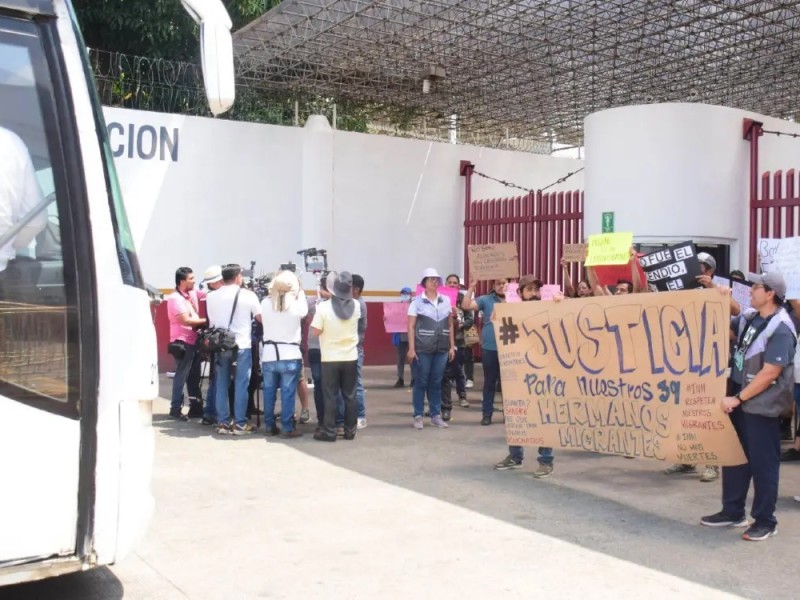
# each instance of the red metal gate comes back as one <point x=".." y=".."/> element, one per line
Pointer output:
<point x="775" y="212"/>
<point x="539" y="223"/>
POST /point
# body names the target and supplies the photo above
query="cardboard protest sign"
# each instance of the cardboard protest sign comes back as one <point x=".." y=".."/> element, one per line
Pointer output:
<point x="767" y="250"/>
<point x="672" y="268"/>
<point x="637" y="375"/>
<point x="575" y="252"/>
<point x="395" y="317"/>
<point x="548" y="292"/>
<point x="787" y="262"/>
<point x="723" y="281"/>
<point x="493" y="261"/>
<point x="451" y="293"/>
<point x="609" y="249"/>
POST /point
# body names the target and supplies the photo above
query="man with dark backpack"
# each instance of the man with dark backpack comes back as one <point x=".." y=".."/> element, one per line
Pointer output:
<point x="232" y="309"/>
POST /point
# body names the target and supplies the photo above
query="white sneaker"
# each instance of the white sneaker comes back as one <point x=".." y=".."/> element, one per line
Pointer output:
<point x="470" y="385"/>
<point x="362" y="423"/>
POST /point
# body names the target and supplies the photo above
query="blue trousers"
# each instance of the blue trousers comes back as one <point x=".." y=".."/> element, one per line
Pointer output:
<point x="545" y="454"/>
<point x="761" y="441"/>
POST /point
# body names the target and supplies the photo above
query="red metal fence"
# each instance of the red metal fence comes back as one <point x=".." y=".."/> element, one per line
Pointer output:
<point x="775" y="211"/>
<point x="540" y="224"/>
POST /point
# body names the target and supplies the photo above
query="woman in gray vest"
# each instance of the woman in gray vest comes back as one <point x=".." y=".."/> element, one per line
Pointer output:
<point x="430" y="346"/>
<point x="762" y="379"/>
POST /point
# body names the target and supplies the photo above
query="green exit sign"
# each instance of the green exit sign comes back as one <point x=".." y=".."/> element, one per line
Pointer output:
<point x="608" y="222"/>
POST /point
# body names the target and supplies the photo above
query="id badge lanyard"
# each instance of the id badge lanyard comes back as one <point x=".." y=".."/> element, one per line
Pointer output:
<point x="748" y="336"/>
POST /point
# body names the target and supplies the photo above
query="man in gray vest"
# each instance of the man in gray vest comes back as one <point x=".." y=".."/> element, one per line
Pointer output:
<point x="763" y="376"/>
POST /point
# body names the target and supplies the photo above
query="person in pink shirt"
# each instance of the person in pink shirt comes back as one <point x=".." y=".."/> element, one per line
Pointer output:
<point x="184" y="317"/>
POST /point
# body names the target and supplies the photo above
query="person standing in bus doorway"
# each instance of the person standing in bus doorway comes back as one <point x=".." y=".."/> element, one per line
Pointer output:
<point x="336" y="324"/>
<point x="19" y="195"/>
<point x="212" y="279"/>
<point x="233" y="307"/>
<point x="491" y="363"/>
<point x="184" y="318"/>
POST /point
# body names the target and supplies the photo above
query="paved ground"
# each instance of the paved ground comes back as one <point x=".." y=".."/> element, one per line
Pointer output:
<point x="422" y="514"/>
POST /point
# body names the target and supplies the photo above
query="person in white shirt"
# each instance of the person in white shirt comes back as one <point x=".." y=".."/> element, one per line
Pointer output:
<point x="19" y="195"/>
<point x="232" y="307"/>
<point x="282" y="314"/>
<point x="336" y="324"/>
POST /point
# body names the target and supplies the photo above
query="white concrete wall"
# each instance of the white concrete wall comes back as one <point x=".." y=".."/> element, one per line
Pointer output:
<point x="672" y="172"/>
<point x="383" y="207"/>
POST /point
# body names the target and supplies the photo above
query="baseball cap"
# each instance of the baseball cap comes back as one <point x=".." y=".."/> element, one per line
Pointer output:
<point x="526" y="280"/>
<point x="212" y="274"/>
<point x="773" y="281"/>
<point x="406" y="290"/>
<point x="706" y="258"/>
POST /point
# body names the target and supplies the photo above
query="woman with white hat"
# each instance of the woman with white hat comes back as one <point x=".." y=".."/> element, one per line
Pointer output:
<point x="431" y="344"/>
<point x="282" y="314"/>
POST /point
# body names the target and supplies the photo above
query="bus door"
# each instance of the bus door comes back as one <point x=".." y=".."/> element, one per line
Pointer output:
<point x="48" y="360"/>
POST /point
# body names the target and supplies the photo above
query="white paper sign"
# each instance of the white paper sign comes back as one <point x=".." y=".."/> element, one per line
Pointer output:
<point x="767" y="250"/>
<point x="723" y="281"/>
<point x="741" y="293"/>
<point x="787" y="261"/>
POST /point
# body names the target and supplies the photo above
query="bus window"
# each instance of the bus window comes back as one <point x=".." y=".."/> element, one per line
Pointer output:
<point x="126" y="250"/>
<point x="36" y="359"/>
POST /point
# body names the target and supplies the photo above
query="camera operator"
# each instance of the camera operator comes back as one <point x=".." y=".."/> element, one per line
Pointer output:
<point x="184" y="318"/>
<point x="233" y="308"/>
<point x="212" y="279"/>
<point x="282" y="313"/>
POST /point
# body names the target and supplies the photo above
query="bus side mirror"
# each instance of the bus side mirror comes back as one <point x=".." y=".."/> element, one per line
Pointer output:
<point x="216" y="48"/>
<point x="216" y="51"/>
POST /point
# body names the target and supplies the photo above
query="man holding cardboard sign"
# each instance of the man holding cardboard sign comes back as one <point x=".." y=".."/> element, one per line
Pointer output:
<point x="763" y="377"/>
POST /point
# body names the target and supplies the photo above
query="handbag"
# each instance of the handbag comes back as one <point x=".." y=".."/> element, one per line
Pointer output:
<point x="471" y="336"/>
<point x="219" y="339"/>
<point x="177" y="350"/>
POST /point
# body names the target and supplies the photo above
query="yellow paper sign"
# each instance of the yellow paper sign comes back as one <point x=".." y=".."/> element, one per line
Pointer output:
<point x="609" y="249"/>
<point x="493" y="261"/>
<point x="639" y="375"/>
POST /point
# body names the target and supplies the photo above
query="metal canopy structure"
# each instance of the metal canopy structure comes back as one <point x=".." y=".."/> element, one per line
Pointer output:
<point x="526" y="69"/>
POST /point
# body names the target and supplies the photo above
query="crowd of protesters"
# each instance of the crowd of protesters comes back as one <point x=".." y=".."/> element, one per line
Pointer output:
<point x="437" y="350"/>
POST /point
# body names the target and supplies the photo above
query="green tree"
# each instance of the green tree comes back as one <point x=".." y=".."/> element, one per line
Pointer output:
<point x="153" y="28"/>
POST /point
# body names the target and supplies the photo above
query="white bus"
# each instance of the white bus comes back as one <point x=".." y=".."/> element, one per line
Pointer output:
<point x="78" y="366"/>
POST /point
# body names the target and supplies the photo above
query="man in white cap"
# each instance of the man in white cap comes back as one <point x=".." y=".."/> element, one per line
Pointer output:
<point x="762" y="376"/>
<point x="212" y="279"/>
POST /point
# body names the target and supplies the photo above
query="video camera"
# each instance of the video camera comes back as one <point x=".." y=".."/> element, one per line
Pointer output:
<point x="315" y="260"/>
